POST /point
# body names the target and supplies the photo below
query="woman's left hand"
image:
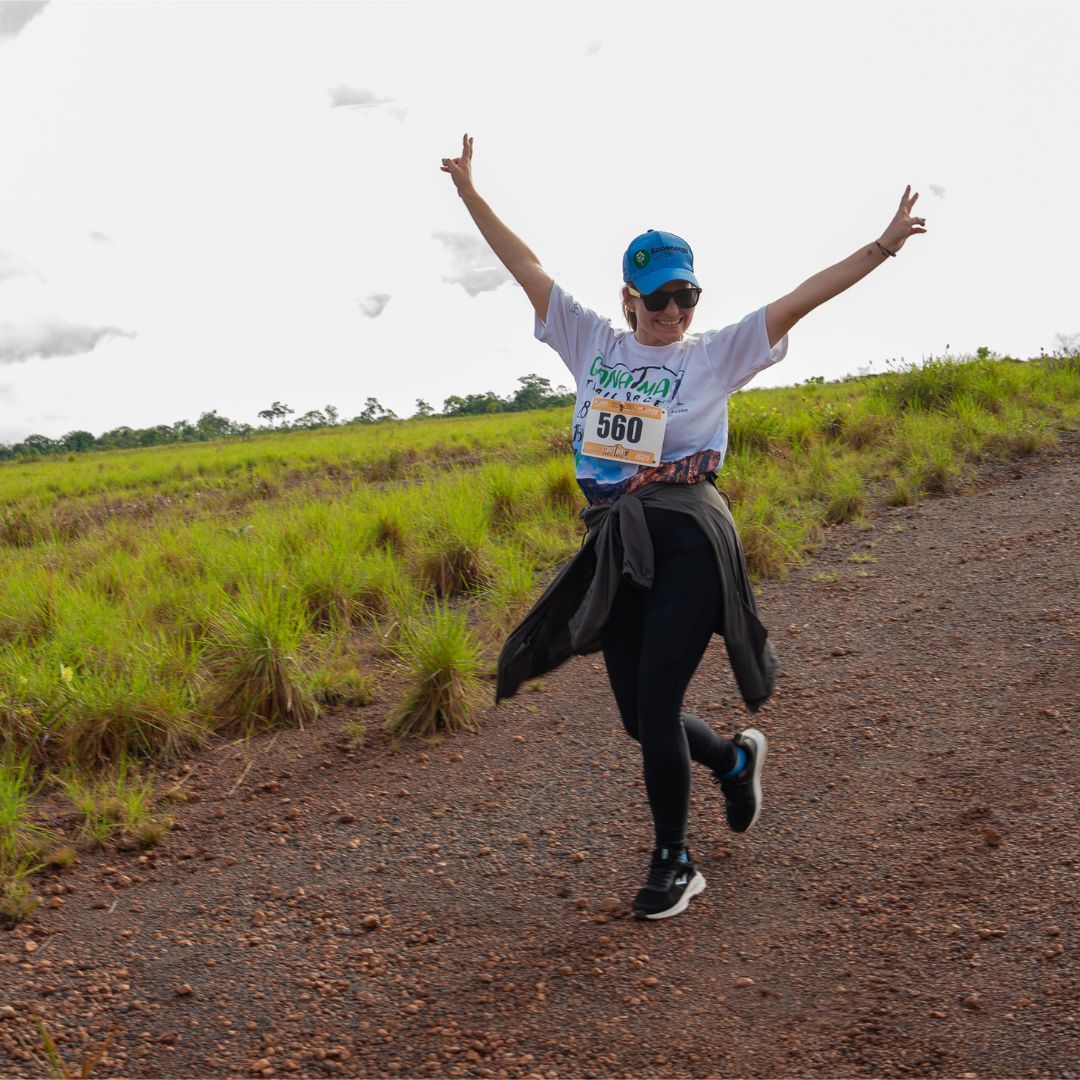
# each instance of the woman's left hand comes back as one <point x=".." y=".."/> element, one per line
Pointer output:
<point x="903" y="224"/>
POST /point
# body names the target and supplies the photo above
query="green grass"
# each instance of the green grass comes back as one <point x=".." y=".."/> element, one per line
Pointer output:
<point x="152" y="600"/>
<point x="254" y="658"/>
<point x="440" y="658"/>
<point x="113" y="804"/>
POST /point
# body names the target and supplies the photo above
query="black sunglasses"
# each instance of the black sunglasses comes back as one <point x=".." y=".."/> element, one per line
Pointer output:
<point x="657" y="301"/>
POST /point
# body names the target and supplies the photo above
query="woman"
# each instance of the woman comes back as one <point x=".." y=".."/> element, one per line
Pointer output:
<point x="661" y="569"/>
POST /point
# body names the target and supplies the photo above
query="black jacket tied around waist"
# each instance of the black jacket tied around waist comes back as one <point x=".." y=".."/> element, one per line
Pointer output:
<point x="570" y="615"/>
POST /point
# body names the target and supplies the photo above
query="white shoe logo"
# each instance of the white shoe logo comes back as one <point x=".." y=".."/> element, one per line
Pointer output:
<point x="682" y="879"/>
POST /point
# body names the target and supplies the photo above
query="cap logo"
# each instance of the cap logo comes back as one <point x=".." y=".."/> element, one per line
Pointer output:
<point x="641" y="258"/>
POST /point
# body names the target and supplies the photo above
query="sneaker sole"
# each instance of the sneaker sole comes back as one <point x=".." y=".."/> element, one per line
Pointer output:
<point x="761" y="745"/>
<point x="696" y="885"/>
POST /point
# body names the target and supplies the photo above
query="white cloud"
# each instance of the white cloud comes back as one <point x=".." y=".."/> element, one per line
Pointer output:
<point x="938" y="190"/>
<point x="15" y="14"/>
<point x="353" y="97"/>
<point x="372" y="306"/>
<point x="100" y="237"/>
<point x="474" y="265"/>
<point x="12" y="267"/>
<point x="51" y="337"/>
<point x="593" y="47"/>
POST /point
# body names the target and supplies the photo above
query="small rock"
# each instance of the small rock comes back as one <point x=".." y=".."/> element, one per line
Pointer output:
<point x="371" y="922"/>
<point x="258" y="1066"/>
<point x="7" y="1012"/>
<point x="992" y="837"/>
<point x="971" y="1001"/>
<point x="184" y="990"/>
<point x="744" y="981"/>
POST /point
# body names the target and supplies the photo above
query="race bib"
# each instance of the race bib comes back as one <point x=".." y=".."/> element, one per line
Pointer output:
<point x="627" y="431"/>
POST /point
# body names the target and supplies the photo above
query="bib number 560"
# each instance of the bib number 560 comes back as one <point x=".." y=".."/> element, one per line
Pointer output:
<point x="619" y="426"/>
<point x="628" y="431"/>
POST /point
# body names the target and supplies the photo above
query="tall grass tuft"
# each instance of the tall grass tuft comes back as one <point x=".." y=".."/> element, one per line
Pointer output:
<point x="114" y="805"/>
<point x="20" y="838"/>
<point x="510" y="590"/>
<point x="559" y="479"/>
<point x="441" y="659"/>
<point x="771" y="541"/>
<point x="846" y="500"/>
<point x="509" y="494"/>
<point x="254" y="663"/>
<point x="28" y="604"/>
<point x="21" y="841"/>
<point x="453" y="558"/>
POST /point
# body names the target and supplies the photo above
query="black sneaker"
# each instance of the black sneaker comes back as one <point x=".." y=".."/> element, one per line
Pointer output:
<point x="670" y="884"/>
<point x="742" y="792"/>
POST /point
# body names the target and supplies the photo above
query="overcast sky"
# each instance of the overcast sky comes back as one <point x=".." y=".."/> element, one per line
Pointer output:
<point x="221" y="205"/>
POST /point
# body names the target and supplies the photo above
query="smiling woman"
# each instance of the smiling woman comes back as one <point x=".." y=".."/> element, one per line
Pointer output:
<point x="662" y="567"/>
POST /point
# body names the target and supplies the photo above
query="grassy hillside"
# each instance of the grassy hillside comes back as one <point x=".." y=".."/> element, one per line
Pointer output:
<point x="153" y="599"/>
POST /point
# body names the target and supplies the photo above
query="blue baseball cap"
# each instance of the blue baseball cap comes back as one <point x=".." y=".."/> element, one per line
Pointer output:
<point x="654" y="258"/>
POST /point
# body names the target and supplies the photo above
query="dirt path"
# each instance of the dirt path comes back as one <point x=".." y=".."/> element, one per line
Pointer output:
<point x="907" y="905"/>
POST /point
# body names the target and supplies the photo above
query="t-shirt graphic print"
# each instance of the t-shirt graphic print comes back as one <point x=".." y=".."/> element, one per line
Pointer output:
<point x="691" y="380"/>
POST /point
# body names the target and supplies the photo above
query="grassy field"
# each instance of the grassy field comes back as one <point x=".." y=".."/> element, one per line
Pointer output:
<point x="152" y="600"/>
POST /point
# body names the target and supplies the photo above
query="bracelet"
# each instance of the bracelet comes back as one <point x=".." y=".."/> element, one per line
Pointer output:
<point x="885" y="249"/>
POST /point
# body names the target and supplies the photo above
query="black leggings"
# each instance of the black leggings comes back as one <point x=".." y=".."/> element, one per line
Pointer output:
<point x="653" y="642"/>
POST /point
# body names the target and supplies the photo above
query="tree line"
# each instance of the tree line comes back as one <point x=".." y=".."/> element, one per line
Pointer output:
<point x="534" y="392"/>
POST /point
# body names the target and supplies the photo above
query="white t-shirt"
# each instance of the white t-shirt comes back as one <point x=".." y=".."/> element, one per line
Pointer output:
<point x="690" y="379"/>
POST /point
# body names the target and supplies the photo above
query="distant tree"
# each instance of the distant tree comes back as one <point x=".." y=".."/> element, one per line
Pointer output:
<point x="212" y="426"/>
<point x="422" y="408"/>
<point x="533" y="392"/>
<point x="184" y="431"/>
<point x="473" y="404"/>
<point x="374" y="413"/>
<point x="121" y="438"/>
<point x="331" y="414"/>
<point x="78" y="441"/>
<point x="276" y="412"/>
<point x="34" y="446"/>
<point x="156" y="436"/>
<point x="313" y="419"/>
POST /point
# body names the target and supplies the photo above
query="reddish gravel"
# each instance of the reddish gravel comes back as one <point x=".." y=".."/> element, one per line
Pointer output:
<point x="905" y="907"/>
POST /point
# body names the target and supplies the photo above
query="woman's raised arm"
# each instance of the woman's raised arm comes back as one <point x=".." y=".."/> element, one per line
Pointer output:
<point x="512" y="251"/>
<point x="783" y="314"/>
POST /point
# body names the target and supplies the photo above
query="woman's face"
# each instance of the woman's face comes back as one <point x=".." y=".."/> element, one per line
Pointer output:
<point x="661" y="327"/>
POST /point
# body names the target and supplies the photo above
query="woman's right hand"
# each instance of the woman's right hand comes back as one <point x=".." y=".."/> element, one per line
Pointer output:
<point x="510" y="249"/>
<point x="460" y="168"/>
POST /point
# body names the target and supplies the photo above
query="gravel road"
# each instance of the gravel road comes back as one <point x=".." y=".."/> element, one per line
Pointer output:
<point x="906" y="906"/>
